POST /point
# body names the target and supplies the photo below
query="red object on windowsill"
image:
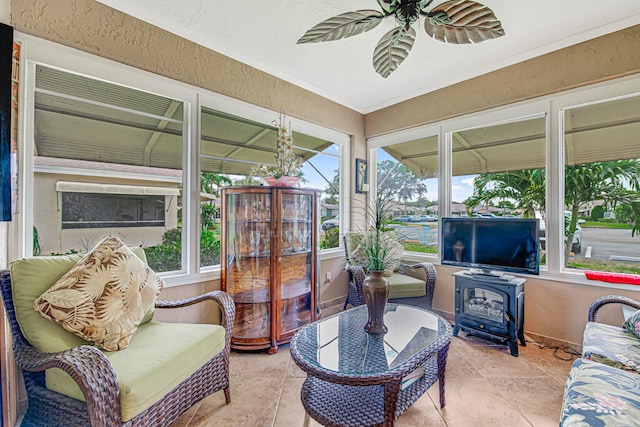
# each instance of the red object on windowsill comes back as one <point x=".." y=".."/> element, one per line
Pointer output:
<point x="627" y="279"/>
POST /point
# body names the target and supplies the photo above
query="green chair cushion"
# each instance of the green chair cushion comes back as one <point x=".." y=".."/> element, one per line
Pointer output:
<point x="402" y="286"/>
<point x="159" y="357"/>
<point x="30" y="277"/>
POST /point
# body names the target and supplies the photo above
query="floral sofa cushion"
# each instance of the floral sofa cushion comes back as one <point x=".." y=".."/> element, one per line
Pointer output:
<point x="600" y="395"/>
<point x="612" y="346"/>
<point x="632" y="324"/>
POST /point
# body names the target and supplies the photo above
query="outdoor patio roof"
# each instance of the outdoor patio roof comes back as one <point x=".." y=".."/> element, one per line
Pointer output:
<point x="87" y="119"/>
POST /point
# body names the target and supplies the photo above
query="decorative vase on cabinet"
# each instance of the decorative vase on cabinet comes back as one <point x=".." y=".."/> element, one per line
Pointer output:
<point x="269" y="263"/>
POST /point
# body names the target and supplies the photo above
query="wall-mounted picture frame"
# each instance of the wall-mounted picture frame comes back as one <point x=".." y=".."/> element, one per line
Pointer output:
<point x="362" y="173"/>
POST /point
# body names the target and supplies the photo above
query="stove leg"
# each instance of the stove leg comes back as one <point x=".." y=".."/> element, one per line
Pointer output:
<point x="456" y="329"/>
<point x="513" y="346"/>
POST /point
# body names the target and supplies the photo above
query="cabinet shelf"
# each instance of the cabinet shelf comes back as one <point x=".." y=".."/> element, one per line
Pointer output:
<point x="270" y="273"/>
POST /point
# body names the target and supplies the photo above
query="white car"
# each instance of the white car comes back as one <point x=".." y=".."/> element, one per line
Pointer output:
<point x="576" y="245"/>
<point x="331" y="223"/>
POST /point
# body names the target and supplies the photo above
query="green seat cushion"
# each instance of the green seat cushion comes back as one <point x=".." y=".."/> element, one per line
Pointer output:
<point x="30" y="277"/>
<point x="402" y="286"/>
<point x="159" y="357"/>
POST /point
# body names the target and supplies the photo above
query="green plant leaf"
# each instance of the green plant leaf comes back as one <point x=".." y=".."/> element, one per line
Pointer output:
<point x="470" y="22"/>
<point x="392" y="49"/>
<point x="342" y="26"/>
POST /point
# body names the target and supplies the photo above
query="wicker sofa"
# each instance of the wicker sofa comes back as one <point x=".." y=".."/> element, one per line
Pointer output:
<point x="166" y="368"/>
<point x="603" y="387"/>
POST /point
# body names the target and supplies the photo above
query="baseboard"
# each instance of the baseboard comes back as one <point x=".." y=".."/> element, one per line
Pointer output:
<point x="552" y="342"/>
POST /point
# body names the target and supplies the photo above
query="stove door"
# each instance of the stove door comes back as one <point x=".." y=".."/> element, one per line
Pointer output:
<point x="483" y="307"/>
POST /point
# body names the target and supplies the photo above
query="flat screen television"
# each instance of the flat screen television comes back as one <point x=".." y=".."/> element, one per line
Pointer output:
<point x="491" y="244"/>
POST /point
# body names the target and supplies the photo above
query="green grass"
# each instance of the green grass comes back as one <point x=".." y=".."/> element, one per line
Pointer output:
<point x="598" y="265"/>
<point x="596" y="224"/>
<point x="415" y="247"/>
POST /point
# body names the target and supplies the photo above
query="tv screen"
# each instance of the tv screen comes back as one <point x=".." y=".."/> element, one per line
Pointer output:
<point x="491" y="244"/>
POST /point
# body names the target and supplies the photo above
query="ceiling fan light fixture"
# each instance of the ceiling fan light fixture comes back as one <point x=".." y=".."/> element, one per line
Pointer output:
<point x="454" y="21"/>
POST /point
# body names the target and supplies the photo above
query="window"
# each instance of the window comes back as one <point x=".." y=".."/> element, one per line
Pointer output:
<point x="407" y="174"/>
<point x="86" y="210"/>
<point x="601" y="183"/>
<point x="232" y="146"/>
<point x="499" y="171"/>
<point x="107" y="161"/>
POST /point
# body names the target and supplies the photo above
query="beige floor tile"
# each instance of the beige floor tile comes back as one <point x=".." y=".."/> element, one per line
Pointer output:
<point x="422" y="413"/>
<point x="485" y="386"/>
<point x="476" y="402"/>
<point x="254" y="402"/>
<point x="539" y="400"/>
<point x="458" y="366"/>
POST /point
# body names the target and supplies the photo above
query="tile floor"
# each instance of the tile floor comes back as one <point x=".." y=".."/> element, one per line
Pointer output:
<point x="486" y="386"/>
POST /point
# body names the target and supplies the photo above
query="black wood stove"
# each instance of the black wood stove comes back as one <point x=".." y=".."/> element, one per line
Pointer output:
<point x="490" y="306"/>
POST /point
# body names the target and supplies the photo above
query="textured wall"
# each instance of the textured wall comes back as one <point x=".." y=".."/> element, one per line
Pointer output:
<point x="92" y="27"/>
<point x="604" y="58"/>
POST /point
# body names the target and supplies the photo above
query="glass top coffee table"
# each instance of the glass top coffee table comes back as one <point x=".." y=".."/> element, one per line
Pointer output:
<point x="359" y="379"/>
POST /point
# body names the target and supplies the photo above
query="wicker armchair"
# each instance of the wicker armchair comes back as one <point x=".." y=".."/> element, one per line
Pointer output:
<point x="357" y="275"/>
<point x="93" y="373"/>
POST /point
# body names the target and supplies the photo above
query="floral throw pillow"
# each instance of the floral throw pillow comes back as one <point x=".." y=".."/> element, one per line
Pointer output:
<point x="103" y="298"/>
<point x="632" y="324"/>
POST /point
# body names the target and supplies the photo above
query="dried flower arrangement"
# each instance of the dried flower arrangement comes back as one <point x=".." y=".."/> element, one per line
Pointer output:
<point x="287" y="163"/>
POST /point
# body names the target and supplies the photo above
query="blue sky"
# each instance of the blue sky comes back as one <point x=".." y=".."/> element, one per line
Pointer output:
<point x="462" y="186"/>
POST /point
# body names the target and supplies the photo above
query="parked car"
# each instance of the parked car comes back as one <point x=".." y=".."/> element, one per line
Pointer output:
<point x="403" y="218"/>
<point x="424" y="218"/>
<point x="331" y="223"/>
<point x="576" y="245"/>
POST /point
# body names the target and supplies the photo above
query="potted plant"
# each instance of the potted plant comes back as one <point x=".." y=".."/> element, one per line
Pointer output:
<point x="379" y="251"/>
<point x="286" y="170"/>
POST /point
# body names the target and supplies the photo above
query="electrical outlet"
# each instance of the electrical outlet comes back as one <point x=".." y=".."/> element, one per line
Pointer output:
<point x="328" y="279"/>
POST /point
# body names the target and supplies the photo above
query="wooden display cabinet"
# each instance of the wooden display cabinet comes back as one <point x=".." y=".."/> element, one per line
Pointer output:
<point x="269" y="265"/>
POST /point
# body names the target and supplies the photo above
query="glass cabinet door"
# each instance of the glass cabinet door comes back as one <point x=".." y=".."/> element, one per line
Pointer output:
<point x="296" y="267"/>
<point x="248" y="274"/>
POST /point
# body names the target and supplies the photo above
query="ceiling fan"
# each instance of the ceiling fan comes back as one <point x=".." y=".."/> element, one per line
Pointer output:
<point x="454" y="21"/>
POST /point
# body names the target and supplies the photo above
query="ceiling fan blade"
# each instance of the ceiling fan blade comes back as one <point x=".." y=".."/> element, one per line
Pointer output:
<point x="342" y="26"/>
<point x="469" y="22"/>
<point x="392" y="49"/>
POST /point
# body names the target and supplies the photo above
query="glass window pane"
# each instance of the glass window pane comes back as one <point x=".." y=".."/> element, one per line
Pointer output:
<point x="602" y="173"/>
<point x="107" y="161"/>
<point x="499" y="171"/>
<point x="407" y="174"/>
<point x="232" y="147"/>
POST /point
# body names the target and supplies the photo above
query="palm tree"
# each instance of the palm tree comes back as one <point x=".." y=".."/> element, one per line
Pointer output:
<point x="615" y="182"/>
<point x="525" y="187"/>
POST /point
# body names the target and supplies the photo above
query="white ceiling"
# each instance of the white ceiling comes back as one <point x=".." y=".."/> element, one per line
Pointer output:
<point x="263" y="34"/>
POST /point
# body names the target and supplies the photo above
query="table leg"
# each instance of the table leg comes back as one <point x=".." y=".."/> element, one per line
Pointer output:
<point x="442" y="364"/>
<point x="391" y="392"/>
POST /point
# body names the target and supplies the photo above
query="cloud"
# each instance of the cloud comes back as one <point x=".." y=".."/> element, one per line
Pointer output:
<point x="468" y="181"/>
<point x="457" y="187"/>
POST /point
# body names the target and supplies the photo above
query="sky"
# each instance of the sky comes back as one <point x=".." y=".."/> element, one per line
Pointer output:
<point x="462" y="186"/>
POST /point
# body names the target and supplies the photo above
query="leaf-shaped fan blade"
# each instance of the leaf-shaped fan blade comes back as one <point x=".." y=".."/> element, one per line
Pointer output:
<point x="341" y="26"/>
<point x="470" y="22"/>
<point x="392" y="49"/>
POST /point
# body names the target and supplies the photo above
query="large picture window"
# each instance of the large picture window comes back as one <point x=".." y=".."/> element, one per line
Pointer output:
<point x="601" y="186"/>
<point x="107" y="160"/>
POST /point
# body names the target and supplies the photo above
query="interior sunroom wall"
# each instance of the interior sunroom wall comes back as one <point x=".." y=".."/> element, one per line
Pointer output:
<point x="91" y="27"/>
<point x="556" y="310"/>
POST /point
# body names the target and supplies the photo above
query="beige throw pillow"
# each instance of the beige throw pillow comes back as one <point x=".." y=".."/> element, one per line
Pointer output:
<point x="103" y="298"/>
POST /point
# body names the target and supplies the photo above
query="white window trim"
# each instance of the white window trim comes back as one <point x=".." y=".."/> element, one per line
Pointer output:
<point x="36" y="51"/>
<point x="553" y="107"/>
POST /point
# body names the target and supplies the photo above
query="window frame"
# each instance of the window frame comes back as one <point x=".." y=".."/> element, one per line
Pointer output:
<point x="36" y="51"/>
<point x="553" y="106"/>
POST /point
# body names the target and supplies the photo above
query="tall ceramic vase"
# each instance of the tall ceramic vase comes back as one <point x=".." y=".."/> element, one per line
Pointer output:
<point x="376" y="293"/>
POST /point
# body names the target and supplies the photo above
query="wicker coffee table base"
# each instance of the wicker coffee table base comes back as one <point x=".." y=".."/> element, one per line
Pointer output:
<point x="333" y="404"/>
